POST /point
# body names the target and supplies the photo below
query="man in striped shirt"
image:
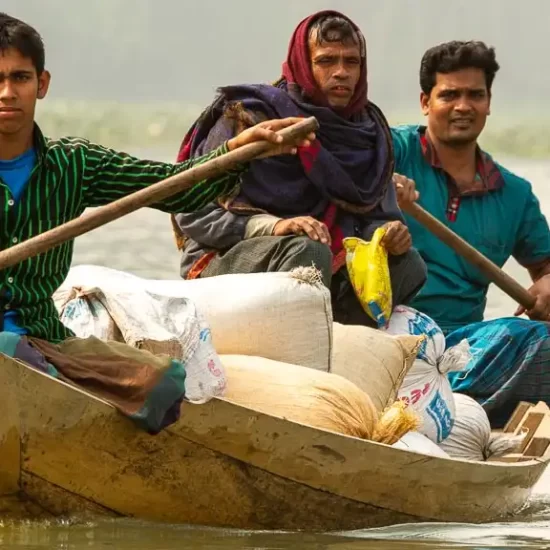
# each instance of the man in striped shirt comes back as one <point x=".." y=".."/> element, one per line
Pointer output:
<point x="45" y="183"/>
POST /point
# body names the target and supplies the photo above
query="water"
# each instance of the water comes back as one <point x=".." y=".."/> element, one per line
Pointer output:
<point x="133" y="535"/>
<point x="142" y="243"/>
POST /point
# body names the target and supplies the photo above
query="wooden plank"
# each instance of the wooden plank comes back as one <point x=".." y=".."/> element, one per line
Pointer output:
<point x="538" y="446"/>
<point x="540" y="407"/>
<point x="540" y="442"/>
<point x="529" y="427"/>
<point x="517" y="416"/>
<point x="513" y="457"/>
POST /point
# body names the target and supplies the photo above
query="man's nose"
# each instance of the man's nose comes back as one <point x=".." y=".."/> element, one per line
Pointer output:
<point x="341" y="71"/>
<point x="7" y="90"/>
<point x="463" y="104"/>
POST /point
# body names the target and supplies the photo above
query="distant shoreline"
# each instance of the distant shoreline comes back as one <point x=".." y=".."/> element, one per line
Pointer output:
<point x="162" y="126"/>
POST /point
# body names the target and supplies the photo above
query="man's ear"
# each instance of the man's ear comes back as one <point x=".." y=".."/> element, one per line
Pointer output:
<point x="43" y="84"/>
<point x="425" y="103"/>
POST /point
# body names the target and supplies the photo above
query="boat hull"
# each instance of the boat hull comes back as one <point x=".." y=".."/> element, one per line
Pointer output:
<point x="224" y="465"/>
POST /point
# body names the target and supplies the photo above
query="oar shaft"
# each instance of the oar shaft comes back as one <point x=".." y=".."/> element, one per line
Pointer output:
<point x="145" y="197"/>
<point x="506" y="283"/>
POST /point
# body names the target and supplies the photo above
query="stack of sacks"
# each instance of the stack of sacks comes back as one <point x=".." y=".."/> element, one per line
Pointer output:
<point x="379" y="362"/>
<point x="373" y="360"/>
<point x="313" y="398"/>
<point x="356" y="398"/>
<point x="425" y="387"/>
<point x="282" y="316"/>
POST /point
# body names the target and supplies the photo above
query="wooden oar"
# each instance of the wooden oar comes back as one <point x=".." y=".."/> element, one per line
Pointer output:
<point x="150" y="195"/>
<point x="460" y="246"/>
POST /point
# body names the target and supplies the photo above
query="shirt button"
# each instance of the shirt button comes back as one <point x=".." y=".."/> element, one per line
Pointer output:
<point x="10" y="279"/>
<point x="14" y="240"/>
<point x="11" y="202"/>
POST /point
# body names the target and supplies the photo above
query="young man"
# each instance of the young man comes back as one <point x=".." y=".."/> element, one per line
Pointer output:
<point x="44" y="183"/>
<point x="296" y="211"/>
<point x="494" y="210"/>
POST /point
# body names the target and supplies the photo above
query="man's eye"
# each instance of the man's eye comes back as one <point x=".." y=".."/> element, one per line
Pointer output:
<point x="447" y="95"/>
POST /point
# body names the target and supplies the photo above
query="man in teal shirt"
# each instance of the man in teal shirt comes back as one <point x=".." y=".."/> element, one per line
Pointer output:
<point x="493" y="209"/>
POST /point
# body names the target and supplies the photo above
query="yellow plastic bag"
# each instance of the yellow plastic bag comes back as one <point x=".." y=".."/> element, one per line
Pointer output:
<point x="367" y="264"/>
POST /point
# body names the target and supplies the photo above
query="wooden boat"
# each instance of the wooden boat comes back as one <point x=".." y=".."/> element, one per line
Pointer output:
<point x="65" y="452"/>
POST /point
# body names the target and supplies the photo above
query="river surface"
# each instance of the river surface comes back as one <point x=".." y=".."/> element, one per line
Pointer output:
<point x="142" y="243"/>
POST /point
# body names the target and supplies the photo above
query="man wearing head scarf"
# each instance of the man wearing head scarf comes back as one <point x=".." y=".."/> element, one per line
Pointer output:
<point x="291" y="212"/>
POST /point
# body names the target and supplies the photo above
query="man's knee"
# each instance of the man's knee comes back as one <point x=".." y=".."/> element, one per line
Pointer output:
<point x="307" y="252"/>
<point x="416" y="266"/>
<point x="408" y="274"/>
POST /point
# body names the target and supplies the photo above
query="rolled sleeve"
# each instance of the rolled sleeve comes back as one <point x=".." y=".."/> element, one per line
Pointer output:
<point x="533" y="242"/>
<point x="399" y="142"/>
<point x="261" y="225"/>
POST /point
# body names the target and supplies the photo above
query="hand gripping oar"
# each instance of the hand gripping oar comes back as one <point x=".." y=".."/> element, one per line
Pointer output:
<point x="152" y="194"/>
<point x="506" y="283"/>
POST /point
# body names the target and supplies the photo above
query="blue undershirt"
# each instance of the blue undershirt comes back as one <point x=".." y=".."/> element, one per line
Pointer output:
<point x="15" y="175"/>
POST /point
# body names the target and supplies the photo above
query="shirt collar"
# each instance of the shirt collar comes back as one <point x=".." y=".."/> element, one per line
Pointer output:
<point x="40" y="143"/>
<point x="488" y="178"/>
<point x="45" y="151"/>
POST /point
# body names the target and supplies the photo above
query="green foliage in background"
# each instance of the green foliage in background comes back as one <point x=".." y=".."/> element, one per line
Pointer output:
<point x="161" y="126"/>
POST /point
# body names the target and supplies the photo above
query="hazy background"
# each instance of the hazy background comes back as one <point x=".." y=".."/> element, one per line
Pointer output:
<point x="135" y="73"/>
<point x="125" y="54"/>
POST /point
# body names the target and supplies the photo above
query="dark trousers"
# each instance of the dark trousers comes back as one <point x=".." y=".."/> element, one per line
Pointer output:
<point x="264" y="254"/>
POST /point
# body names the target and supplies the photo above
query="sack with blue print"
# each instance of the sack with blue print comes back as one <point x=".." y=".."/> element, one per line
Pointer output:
<point x="426" y="388"/>
<point x="87" y="316"/>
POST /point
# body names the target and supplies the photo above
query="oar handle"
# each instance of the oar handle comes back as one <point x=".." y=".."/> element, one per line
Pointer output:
<point x="506" y="283"/>
<point x="150" y="195"/>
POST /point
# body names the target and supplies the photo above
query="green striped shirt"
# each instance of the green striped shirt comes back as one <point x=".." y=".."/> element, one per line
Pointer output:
<point x="71" y="175"/>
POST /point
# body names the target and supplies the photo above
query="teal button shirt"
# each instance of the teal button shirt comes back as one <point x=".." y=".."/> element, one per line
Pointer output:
<point x="500" y="216"/>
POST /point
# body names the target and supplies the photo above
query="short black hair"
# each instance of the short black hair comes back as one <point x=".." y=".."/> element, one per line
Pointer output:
<point x="16" y="34"/>
<point x="454" y="56"/>
<point x="335" y="28"/>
